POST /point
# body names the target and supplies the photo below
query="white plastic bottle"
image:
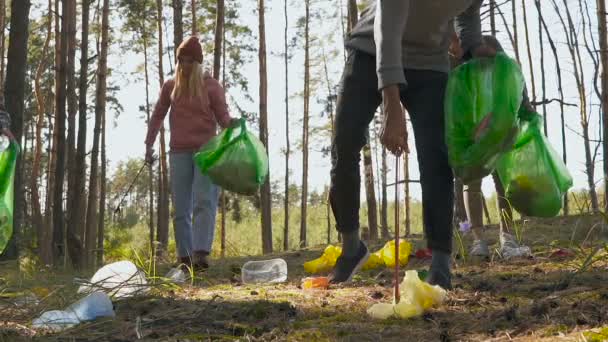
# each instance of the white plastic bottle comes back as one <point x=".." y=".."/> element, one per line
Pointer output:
<point x="265" y="271"/>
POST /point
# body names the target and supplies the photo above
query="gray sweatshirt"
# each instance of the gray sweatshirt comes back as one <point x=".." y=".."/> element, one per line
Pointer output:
<point x="414" y="34"/>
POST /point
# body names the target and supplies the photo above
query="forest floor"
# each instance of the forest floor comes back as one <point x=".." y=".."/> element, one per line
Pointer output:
<point x="543" y="298"/>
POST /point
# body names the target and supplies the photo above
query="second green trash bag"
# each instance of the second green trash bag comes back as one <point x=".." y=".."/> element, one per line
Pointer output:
<point x="533" y="175"/>
<point x="482" y="100"/>
<point x="236" y="160"/>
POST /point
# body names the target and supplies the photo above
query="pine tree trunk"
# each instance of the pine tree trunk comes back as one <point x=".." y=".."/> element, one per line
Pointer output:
<point x="73" y="233"/>
<point x="304" y="200"/>
<point x="492" y="17"/>
<point x="353" y="16"/>
<point x="265" y="190"/>
<point x="14" y="94"/>
<point x="60" y="118"/>
<point x="515" y="40"/>
<point x="219" y="30"/>
<point x="194" y="20"/>
<point x="178" y="26"/>
<point x="372" y="206"/>
<point x="560" y="90"/>
<point x="287" y="146"/>
<point x="44" y="246"/>
<point x="144" y="36"/>
<point x="531" y="62"/>
<point x="163" y="218"/>
<point x="78" y="212"/>
<point x="384" y="216"/>
<point x="2" y="40"/>
<point x="603" y="37"/>
<point x="223" y="193"/>
<point x="542" y="74"/>
<point x="100" y="109"/>
<point x="102" y="195"/>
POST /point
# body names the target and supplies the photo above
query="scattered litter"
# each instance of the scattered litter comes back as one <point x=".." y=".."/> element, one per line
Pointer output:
<point x="416" y="297"/>
<point x="325" y="262"/>
<point x="119" y="280"/>
<point x="266" y="271"/>
<point x="315" y="283"/>
<point x="388" y="252"/>
<point x="177" y="276"/>
<point x="95" y="305"/>
<point x="424" y="253"/>
<point x="561" y="253"/>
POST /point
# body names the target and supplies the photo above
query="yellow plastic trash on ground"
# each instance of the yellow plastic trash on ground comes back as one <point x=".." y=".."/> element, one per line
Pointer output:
<point x="416" y="297"/>
<point x="384" y="256"/>
<point x="388" y="252"/>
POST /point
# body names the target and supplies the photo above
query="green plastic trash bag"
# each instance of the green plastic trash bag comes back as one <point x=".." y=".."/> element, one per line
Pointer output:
<point x="8" y="160"/>
<point x="236" y="160"/>
<point x="482" y="100"/>
<point x="533" y="175"/>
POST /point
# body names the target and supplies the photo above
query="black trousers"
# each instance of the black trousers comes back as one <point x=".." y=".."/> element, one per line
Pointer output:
<point x="357" y="103"/>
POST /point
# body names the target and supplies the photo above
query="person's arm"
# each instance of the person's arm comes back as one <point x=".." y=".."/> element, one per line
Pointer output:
<point x="217" y="102"/>
<point x="468" y="28"/>
<point x="389" y="25"/>
<point x="160" y="111"/>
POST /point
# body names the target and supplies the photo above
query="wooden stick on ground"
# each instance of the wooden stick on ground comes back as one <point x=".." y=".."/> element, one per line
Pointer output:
<point x="397" y="293"/>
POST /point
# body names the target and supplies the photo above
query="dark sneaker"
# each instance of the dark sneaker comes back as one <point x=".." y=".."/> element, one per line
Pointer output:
<point x="201" y="260"/>
<point x="347" y="267"/>
<point x="441" y="278"/>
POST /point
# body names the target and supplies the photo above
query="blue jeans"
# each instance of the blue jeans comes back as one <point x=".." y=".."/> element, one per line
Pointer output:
<point x="195" y="199"/>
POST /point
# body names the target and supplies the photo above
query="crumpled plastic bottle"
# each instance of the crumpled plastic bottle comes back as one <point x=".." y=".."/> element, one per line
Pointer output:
<point x="264" y="271"/>
<point x="95" y="305"/>
<point x="416" y="297"/>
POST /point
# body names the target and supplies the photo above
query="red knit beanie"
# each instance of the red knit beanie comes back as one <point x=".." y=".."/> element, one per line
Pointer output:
<point x="191" y="47"/>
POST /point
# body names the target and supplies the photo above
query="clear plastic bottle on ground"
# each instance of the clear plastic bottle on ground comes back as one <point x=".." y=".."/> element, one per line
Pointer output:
<point x="264" y="271"/>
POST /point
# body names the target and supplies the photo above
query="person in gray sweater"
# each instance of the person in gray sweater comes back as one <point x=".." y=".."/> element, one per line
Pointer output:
<point x="398" y="54"/>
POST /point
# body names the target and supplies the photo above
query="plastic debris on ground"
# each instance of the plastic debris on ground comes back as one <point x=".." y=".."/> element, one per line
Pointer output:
<point x="238" y="162"/>
<point x="416" y="297"/>
<point x="315" y="283"/>
<point x="91" y="307"/>
<point x="177" y="276"/>
<point x="561" y="253"/>
<point x="424" y="253"/>
<point x="119" y="280"/>
<point x="383" y="257"/>
<point x="265" y="271"/>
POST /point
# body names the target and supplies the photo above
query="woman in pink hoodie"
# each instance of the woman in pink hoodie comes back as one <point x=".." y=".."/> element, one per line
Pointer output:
<point x="196" y="104"/>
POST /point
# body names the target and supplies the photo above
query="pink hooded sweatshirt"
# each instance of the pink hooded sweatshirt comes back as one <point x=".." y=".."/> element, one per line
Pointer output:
<point x="191" y="124"/>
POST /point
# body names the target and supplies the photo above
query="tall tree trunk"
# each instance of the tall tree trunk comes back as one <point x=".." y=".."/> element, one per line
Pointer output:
<point x="304" y="200"/>
<point x="144" y="36"/>
<point x="194" y="20"/>
<point x="44" y="246"/>
<point x="223" y="193"/>
<point x="530" y="62"/>
<point x="353" y="15"/>
<point x="58" y="216"/>
<point x="287" y="142"/>
<point x="102" y="195"/>
<point x="601" y="19"/>
<point x="560" y="90"/>
<point x="515" y="40"/>
<point x="265" y="190"/>
<point x="384" y="215"/>
<point x="163" y="216"/>
<point x="219" y="30"/>
<point x="78" y="211"/>
<point x="73" y="233"/>
<point x="14" y="94"/>
<point x="2" y="41"/>
<point x="542" y="74"/>
<point x="572" y="41"/>
<point x="178" y="26"/>
<point x="100" y="109"/>
<point x="492" y="17"/>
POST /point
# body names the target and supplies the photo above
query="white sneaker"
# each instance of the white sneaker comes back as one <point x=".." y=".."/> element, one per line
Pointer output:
<point x="510" y="248"/>
<point x="480" y="249"/>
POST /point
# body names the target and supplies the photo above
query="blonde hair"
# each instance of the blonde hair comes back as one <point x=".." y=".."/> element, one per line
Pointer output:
<point x="192" y="87"/>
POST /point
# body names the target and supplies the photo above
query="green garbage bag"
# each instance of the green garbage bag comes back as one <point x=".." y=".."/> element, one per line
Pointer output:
<point x="482" y="100"/>
<point x="8" y="161"/>
<point x="533" y="175"/>
<point x="236" y="160"/>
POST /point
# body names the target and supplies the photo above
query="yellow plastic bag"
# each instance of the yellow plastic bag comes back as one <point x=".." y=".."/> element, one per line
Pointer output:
<point x="375" y="260"/>
<point x="416" y="297"/>
<point x="388" y="252"/>
<point x="325" y="262"/>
